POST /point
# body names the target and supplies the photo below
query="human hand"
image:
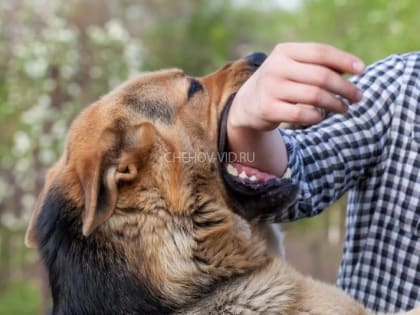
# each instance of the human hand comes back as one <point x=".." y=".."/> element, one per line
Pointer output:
<point x="295" y="74"/>
<point x="292" y="77"/>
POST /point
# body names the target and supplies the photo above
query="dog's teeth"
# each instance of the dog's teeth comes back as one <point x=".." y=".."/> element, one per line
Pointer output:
<point x="243" y="175"/>
<point x="288" y="173"/>
<point x="231" y="170"/>
<point x="253" y="178"/>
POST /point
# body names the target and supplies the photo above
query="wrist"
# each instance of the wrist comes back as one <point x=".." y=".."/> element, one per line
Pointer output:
<point x="267" y="148"/>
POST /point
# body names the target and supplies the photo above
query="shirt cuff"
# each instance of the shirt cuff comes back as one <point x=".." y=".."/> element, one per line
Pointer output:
<point x="292" y="170"/>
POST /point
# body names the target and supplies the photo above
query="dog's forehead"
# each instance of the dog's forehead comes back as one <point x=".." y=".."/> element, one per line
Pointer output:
<point x="150" y="96"/>
<point x="153" y="95"/>
<point x="151" y="80"/>
<point x="147" y="96"/>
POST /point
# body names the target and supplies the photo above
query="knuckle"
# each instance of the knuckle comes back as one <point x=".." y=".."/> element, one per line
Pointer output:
<point x="316" y="95"/>
<point x="279" y="47"/>
<point x="284" y="49"/>
<point x="323" y="76"/>
<point x="320" y="50"/>
<point x="297" y="115"/>
<point x="335" y="102"/>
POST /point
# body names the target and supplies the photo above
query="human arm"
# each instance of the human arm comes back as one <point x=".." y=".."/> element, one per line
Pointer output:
<point x="333" y="156"/>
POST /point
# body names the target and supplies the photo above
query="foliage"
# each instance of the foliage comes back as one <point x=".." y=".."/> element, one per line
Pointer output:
<point x="371" y="29"/>
<point x="205" y="35"/>
<point x="51" y="71"/>
<point x="20" y="298"/>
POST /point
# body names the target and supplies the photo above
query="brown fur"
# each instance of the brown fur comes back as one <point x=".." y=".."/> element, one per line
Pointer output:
<point x="171" y="218"/>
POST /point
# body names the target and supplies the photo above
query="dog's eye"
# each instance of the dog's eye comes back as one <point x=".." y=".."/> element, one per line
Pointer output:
<point x="195" y="87"/>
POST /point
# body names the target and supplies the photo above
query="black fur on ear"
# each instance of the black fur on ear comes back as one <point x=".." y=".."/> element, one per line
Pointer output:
<point x="87" y="275"/>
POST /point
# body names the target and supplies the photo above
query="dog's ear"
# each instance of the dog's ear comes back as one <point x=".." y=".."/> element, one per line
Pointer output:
<point x="100" y="177"/>
<point x="99" y="185"/>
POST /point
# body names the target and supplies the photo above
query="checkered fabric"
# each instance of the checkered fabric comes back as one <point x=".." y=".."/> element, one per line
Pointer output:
<point x="372" y="152"/>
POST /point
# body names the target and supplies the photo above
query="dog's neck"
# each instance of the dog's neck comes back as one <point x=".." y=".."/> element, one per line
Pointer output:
<point x="177" y="261"/>
<point x="189" y="256"/>
<point x="87" y="275"/>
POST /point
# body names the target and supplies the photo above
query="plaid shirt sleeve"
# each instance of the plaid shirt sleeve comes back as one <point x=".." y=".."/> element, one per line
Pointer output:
<point x="331" y="157"/>
<point x="372" y="152"/>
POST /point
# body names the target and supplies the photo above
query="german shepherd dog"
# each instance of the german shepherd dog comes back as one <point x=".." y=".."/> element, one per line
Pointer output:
<point x="130" y="221"/>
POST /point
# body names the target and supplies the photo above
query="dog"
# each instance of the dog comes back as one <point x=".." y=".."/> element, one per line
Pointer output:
<point x="126" y="224"/>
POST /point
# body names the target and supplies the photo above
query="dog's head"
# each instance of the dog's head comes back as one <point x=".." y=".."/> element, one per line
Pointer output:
<point x="143" y="167"/>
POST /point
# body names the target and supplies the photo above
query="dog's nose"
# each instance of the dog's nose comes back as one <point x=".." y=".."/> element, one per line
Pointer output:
<point x="256" y="58"/>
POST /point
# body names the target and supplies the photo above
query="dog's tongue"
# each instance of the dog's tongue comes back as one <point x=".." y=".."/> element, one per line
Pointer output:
<point x="249" y="172"/>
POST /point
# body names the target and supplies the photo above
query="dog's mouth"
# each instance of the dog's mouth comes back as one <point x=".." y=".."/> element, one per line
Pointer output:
<point x="249" y="178"/>
<point x="254" y="194"/>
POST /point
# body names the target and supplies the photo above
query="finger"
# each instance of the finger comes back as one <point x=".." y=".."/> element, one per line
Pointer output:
<point x="292" y="113"/>
<point x="322" y="111"/>
<point x="322" y="77"/>
<point x="293" y="92"/>
<point x="321" y="54"/>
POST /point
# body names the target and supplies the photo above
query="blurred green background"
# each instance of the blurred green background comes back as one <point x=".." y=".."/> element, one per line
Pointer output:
<point x="58" y="56"/>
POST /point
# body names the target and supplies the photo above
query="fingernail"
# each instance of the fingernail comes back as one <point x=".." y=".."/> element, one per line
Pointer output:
<point x="358" y="66"/>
